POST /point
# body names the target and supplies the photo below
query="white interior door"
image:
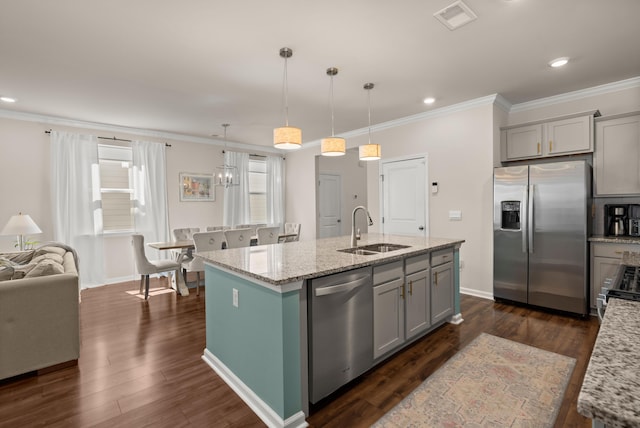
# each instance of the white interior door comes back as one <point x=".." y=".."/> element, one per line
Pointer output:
<point x="404" y="198"/>
<point x="330" y="206"/>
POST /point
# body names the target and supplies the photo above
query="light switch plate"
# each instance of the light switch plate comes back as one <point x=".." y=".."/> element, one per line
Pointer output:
<point x="235" y="297"/>
<point x="455" y="215"/>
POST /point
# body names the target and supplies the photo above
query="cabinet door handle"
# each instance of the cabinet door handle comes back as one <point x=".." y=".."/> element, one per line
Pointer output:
<point x="411" y="288"/>
<point x="550" y="146"/>
<point x="619" y="252"/>
<point x="402" y="291"/>
<point x="538" y="148"/>
<point x="436" y="278"/>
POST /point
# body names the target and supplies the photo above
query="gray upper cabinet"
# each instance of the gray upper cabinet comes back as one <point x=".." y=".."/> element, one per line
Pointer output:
<point x="563" y="136"/>
<point x="617" y="156"/>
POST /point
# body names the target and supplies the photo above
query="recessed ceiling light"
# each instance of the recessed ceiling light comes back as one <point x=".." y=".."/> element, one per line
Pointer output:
<point x="429" y="100"/>
<point x="8" y="99"/>
<point x="559" y="62"/>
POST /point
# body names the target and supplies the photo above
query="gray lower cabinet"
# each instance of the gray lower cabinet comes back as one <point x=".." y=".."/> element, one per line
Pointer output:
<point x="417" y="295"/>
<point x="388" y="307"/>
<point x="441" y="285"/>
<point x="605" y="259"/>
<point x="409" y="297"/>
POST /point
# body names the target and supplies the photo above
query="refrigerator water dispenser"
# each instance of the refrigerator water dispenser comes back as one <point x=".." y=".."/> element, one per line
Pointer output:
<point x="510" y="215"/>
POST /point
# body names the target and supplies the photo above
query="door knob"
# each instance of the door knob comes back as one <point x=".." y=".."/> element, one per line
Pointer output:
<point x="421" y="228"/>
<point x="338" y="221"/>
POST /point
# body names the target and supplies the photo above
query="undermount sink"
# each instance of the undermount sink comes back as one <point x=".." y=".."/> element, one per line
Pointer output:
<point x="358" y="251"/>
<point x="371" y="249"/>
<point x="383" y="248"/>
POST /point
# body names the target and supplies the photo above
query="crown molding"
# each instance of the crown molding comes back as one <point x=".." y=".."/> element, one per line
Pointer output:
<point x="58" y="121"/>
<point x="607" y="88"/>
<point x="444" y="111"/>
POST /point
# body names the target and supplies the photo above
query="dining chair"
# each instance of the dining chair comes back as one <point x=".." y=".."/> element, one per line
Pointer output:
<point x="184" y="234"/>
<point x="238" y="238"/>
<point x="204" y="241"/>
<point x="268" y="235"/>
<point x="292" y="228"/>
<point x="147" y="267"/>
<point x="214" y="228"/>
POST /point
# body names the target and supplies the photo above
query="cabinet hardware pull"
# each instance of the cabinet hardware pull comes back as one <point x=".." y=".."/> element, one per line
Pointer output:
<point x="436" y="278"/>
<point x="619" y="252"/>
<point x="411" y="288"/>
<point x="402" y="291"/>
<point x="538" y="148"/>
<point x="550" y="146"/>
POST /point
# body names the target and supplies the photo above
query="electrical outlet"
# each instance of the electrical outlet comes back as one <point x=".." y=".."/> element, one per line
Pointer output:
<point x="235" y="297"/>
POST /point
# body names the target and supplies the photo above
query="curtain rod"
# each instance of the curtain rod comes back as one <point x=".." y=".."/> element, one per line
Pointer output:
<point x="252" y="154"/>
<point x="112" y="139"/>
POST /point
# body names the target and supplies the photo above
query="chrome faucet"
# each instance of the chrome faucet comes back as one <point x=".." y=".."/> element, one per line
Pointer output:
<point x="353" y="224"/>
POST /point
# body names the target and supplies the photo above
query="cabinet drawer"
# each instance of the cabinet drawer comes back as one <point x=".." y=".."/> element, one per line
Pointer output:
<point x="416" y="263"/>
<point x="387" y="272"/>
<point x="614" y="251"/>
<point x="441" y="256"/>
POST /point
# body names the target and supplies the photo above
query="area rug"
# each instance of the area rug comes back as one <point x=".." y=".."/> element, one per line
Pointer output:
<point x="492" y="382"/>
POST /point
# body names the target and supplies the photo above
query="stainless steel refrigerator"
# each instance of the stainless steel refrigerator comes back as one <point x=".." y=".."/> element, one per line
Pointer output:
<point x="540" y="230"/>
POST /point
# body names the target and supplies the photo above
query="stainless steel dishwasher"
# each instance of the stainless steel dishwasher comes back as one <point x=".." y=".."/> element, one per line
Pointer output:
<point x="340" y="330"/>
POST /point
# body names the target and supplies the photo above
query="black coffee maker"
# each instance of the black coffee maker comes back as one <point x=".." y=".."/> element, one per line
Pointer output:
<point x="615" y="220"/>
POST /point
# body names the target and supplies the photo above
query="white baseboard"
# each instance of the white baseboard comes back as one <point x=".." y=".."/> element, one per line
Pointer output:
<point x="259" y="407"/>
<point x="476" y="293"/>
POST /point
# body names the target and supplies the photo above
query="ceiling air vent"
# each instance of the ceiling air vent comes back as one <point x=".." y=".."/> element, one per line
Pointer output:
<point x="455" y="15"/>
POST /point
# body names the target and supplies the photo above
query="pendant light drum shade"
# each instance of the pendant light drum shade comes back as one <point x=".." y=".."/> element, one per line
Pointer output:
<point x="333" y="146"/>
<point x="286" y="137"/>
<point x="369" y="152"/>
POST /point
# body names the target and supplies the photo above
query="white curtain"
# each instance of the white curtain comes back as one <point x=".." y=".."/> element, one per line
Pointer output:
<point x="275" y="190"/>
<point x="77" y="211"/>
<point x="150" y="214"/>
<point x="236" y="198"/>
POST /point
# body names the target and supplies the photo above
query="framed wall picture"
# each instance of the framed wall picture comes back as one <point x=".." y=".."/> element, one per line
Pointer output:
<point x="196" y="187"/>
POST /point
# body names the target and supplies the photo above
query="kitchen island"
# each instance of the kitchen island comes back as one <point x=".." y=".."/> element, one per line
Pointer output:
<point x="256" y="313"/>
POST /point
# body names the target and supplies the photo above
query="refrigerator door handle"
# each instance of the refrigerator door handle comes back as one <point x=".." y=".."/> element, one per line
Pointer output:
<point x="530" y="222"/>
<point x="523" y="219"/>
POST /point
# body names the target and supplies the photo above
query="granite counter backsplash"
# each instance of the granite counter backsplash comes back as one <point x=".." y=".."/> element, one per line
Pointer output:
<point x="611" y="387"/>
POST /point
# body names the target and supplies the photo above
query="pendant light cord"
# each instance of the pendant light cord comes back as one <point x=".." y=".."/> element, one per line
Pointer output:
<point x="332" y="120"/>
<point x="369" y="103"/>
<point x="285" y="87"/>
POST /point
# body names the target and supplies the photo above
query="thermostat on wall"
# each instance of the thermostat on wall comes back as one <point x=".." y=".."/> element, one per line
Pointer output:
<point x="434" y="187"/>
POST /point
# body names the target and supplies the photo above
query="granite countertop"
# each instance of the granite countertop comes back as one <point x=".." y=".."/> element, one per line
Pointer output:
<point x="615" y="239"/>
<point x="611" y="384"/>
<point x="279" y="264"/>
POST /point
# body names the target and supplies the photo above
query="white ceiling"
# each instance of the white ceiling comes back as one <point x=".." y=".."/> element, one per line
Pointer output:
<point x="188" y="66"/>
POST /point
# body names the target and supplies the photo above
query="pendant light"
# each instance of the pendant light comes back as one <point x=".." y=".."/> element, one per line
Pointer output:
<point x="287" y="137"/>
<point x="332" y="146"/>
<point x="226" y="175"/>
<point x="369" y="151"/>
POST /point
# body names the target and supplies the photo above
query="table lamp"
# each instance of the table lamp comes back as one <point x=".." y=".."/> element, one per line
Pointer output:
<point x="21" y="225"/>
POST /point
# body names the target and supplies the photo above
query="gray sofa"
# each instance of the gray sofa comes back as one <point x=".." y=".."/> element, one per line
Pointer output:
<point x="39" y="310"/>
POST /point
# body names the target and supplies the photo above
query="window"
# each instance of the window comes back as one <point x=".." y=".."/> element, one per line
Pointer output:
<point x="116" y="188"/>
<point x="258" y="189"/>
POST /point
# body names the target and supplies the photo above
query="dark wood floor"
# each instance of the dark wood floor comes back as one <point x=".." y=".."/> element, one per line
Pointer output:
<point x="140" y="366"/>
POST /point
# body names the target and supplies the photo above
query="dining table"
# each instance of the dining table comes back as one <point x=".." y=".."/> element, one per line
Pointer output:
<point x="179" y="283"/>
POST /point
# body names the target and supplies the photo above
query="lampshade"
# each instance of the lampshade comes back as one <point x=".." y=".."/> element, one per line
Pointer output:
<point x="21" y="224"/>
<point x="333" y="146"/>
<point x="287" y="138"/>
<point x="369" y="152"/>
